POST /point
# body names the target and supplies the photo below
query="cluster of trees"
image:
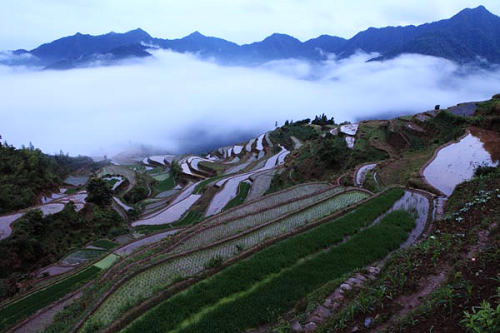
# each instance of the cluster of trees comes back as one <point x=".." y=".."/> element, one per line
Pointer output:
<point x="37" y="241"/>
<point x="27" y="172"/>
<point x="321" y="120"/>
<point x="140" y="190"/>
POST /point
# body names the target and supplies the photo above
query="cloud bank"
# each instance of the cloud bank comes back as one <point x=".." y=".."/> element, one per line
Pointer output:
<point x="180" y="104"/>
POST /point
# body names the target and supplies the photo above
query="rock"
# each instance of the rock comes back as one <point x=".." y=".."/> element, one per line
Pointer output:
<point x="355" y="329"/>
<point x="316" y="319"/>
<point x="360" y="277"/>
<point x="338" y="295"/>
<point x="322" y="312"/>
<point x="355" y="281"/>
<point x="345" y="286"/>
<point x="335" y="306"/>
<point x="296" y="326"/>
<point x="374" y="270"/>
<point x="328" y="302"/>
<point x="310" y="327"/>
<point x="369" y="322"/>
<point x="372" y="277"/>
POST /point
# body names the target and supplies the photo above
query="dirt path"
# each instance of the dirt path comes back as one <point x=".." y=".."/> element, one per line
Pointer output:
<point x="432" y="282"/>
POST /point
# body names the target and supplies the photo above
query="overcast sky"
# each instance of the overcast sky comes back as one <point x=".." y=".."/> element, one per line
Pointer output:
<point x="28" y="23"/>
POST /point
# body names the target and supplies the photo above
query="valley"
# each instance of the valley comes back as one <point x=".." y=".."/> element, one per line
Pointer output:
<point x="312" y="226"/>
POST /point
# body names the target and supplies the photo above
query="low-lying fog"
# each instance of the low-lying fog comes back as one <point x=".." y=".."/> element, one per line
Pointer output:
<point x="178" y="103"/>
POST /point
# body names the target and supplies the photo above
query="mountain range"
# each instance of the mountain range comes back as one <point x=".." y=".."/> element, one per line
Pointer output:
<point x="472" y="35"/>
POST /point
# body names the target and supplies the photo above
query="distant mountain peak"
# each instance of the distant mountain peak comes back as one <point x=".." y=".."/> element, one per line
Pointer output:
<point x="280" y="36"/>
<point x="139" y="33"/>
<point x="471" y="34"/>
<point x="479" y="12"/>
<point x="195" y="34"/>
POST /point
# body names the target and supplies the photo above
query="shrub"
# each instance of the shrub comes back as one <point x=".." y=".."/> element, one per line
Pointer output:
<point x="99" y="192"/>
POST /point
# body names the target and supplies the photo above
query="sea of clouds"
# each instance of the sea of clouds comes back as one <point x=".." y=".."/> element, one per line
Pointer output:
<point x="179" y="103"/>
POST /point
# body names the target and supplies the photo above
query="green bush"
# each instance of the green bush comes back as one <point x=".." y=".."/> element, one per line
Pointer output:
<point x="99" y="192"/>
<point x="483" y="319"/>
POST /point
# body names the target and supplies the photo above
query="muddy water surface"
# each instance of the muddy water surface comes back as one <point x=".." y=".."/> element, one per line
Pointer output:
<point x="456" y="163"/>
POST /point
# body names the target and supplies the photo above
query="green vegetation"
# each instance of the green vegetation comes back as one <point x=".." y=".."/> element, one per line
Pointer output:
<point x="446" y="127"/>
<point x="104" y="243"/>
<point x="27" y="172"/>
<point x="364" y="151"/>
<point x="301" y="131"/>
<point x="106" y="262"/>
<point x="243" y="190"/>
<point x="99" y="192"/>
<point x="149" y="229"/>
<point x="140" y="190"/>
<point x="18" y="310"/>
<point x="323" y="120"/>
<point x="468" y="278"/>
<point x="201" y="186"/>
<point x="316" y="160"/>
<point x="191" y="217"/>
<point x="280" y="293"/>
<point x="176" y="171"/>
<point x="274" y="259"/>
<point x="217" y="168"/>
<point x="164" y="183"/>
<point x="160" y="276"/>
<point x="37" y="241"/>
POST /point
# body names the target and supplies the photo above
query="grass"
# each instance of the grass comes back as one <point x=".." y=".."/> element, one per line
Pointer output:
<point x="107" y="261"/>
<point x="25" y="307"/>
<point x="191" y="217"/>
<point x="243" y="190"/>
<point x="164" y="184"/>
<point x="72" y="190"/>
<point x="149" y="229"/>
<point x="402" y="170"/>
<point x="363" y="151"/>
<point x="216" y="167"/>
<point x="104" y="243"/>
<point x="201" y="186"/>
<point x="241" y="276"/>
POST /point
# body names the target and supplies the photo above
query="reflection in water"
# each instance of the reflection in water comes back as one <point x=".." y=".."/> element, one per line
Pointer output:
<point x="416" y="204"/>
<point x="456" y="163"/>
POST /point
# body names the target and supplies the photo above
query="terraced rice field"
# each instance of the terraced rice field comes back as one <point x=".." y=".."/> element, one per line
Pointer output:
<point x="173" y="213"/>
<point x="20" y="309"/>
<point x="228" y="229"/>
<point x="81" y="256"/>
<point x="129" y="248"/>
<point x="260" y="184"/>
<point x="349" y="129"/>
<point x="278" y="198"/>
<point x="359" y="179"/>
<point x="249" y="145"/>
<point x="259" y="146"/>
<point x="147" y="283"/>
<point x="456" y="162"/>
<point x="230" y="184"/>
<point x="53" y="207"/>
<point x="122" y="171"/>
<point x="231" y="301"/>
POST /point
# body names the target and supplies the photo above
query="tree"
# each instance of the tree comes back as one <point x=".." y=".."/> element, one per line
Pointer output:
<point x="99" y="192"/>
<point x="176" y="170"/>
